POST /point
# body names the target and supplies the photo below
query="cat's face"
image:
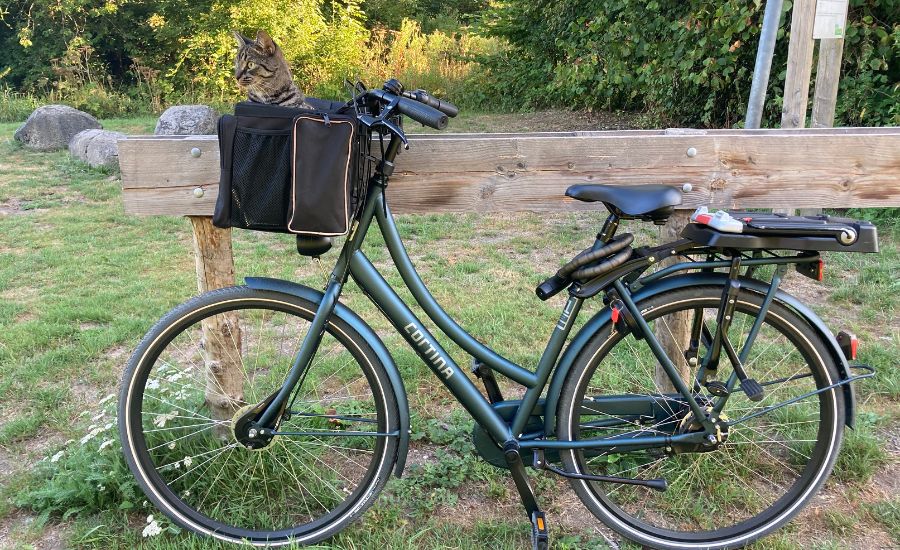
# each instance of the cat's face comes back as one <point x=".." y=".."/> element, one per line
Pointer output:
<point x="260" y="67"/>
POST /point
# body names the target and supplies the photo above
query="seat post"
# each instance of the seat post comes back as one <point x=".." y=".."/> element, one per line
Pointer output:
<point x="607" y="232"/>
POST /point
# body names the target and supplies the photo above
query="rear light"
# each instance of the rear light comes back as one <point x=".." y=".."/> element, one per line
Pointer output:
<point x="849" y="344"/>
<point x="813" y="270"/>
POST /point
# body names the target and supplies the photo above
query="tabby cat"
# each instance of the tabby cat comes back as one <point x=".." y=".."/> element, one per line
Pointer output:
<point x="261" y="70"/>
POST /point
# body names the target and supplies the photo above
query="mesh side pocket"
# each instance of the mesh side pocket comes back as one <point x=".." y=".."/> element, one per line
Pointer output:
<point x="261" y="180"/>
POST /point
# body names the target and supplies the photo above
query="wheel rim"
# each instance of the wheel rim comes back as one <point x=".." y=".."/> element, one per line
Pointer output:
<point x="296" y="485"/>
<point x="765" y="465"/>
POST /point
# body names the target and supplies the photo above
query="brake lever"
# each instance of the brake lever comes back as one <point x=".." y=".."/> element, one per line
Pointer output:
<point x="395" y="130"/>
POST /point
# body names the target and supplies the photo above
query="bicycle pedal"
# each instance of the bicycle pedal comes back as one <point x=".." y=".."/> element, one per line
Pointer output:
<point x="540" y="536"/>
<point x="717" y="388"/>
<point x="754" y="391"/>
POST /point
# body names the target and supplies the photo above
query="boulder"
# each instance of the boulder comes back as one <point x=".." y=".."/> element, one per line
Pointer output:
<point x="97" y="147"/>
<point x="187" y="120"/>
<point x="51" y="127"/>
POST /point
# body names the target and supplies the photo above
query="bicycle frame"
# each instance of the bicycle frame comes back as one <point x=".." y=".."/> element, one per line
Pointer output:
<point x="353" y="262"/>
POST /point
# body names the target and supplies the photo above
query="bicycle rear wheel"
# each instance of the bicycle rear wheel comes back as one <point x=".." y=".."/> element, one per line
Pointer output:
<point x="185" y="398"/>
<point x="741" y="489"/>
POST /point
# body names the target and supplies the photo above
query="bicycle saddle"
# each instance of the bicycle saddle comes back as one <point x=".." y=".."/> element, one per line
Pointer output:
<point x="647" y="202"/>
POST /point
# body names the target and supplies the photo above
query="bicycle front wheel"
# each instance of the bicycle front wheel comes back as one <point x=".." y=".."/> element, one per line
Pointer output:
<point x="725" y="495"/>
<point x="198" y="375"/>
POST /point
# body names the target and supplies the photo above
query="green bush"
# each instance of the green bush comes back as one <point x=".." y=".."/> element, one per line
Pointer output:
<point x="688" y="62"/>
<point x="169" y="53"/>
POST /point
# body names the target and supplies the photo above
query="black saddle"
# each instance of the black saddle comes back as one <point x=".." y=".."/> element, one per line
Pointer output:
<point x="646" y="202"/>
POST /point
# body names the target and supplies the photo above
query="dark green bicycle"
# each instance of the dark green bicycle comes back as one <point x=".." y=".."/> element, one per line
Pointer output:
<point x="271" y="414"/>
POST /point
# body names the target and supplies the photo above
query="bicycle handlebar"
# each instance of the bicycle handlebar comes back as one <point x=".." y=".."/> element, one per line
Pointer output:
<point x="422" y="96"/>
<point x="429" y="116"/>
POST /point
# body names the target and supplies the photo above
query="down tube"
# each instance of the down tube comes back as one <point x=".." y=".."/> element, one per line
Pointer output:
<point x="427" y="347"/>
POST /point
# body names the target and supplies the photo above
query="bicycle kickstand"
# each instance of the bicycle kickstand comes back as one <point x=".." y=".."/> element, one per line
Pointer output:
<point x="540" y="536"/>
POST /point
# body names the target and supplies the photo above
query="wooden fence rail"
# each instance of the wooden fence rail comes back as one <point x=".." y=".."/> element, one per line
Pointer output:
<point x="817" y="167"/>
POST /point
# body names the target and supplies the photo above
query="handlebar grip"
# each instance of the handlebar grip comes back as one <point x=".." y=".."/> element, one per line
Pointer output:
<point x="551" y="287"/>
<point x="429" y="116"/>
<point x="445" y="107"/>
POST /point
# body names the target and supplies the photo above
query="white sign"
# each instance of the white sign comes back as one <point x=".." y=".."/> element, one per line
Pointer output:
<point x="831" y="19"/>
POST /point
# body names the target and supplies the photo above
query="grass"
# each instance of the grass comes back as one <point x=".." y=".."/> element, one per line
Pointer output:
<point x="80" y="282"/>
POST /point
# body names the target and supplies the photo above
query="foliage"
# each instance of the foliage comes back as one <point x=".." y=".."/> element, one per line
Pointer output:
<point x="445" y="15"/>
<point x="169" y="49"/>
<point x="689" y="62"/>
<point x="168" y="52"/>
<point x="85" y="476"/>
<point x="439" y="62"/>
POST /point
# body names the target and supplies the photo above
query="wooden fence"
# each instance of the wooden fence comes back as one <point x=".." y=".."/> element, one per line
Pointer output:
<point x="821" y="167"/>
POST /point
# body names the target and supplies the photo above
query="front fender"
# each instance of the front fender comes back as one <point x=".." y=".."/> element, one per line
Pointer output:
<point x="356" y="323"/>
<point x="685" y="281"/>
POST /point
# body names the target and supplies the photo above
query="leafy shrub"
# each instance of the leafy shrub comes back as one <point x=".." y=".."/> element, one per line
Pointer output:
<point x="16" y="106"/>
<point x="85" y="476"/>
<point x="688" y="62"/>
<point x="439" y="62"/>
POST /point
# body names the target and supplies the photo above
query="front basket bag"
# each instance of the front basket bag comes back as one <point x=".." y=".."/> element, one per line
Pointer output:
<point x="288" y="170"/>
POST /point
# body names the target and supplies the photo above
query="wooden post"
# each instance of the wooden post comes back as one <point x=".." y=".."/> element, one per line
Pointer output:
<point x="221" y="340"/>
<point x="675" y="334"/>
<point x="828" y="74"/>
<point x="799" y="69"/>
<point x="799" y="65"/>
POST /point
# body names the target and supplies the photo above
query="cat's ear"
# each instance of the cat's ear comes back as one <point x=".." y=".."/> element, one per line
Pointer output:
<point x="264" y="41"/>
<point x="241" y="39"/>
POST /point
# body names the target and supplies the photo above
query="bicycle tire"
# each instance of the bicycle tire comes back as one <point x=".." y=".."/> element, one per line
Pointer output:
<point x="703" y="508"/>
<point x="293" y="490"/>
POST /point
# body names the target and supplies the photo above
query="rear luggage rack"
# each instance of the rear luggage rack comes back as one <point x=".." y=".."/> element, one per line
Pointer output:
<point x="780" y="232"/>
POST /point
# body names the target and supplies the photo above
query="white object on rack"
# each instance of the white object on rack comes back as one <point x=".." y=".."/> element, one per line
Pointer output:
<point x="720" y="221"/>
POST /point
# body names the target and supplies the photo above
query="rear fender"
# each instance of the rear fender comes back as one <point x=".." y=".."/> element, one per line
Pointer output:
<point x="685" y="281"/>
<point x="356" y="323"/>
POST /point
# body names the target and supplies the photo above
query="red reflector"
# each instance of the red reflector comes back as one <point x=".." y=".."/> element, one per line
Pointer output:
<point x="615" y="315"/>
<point x="820" y="271"/>
<point x="854" y="346"/>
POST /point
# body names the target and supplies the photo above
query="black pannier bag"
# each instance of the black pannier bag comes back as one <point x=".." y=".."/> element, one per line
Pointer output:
<point x="290" y="170"/>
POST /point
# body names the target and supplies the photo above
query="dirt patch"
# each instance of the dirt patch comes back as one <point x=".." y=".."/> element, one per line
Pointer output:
<point x="19" y="294"/>
<point x="11" y="207"/>
<point x="9" y="464"/>
<point x="19" y="529"/>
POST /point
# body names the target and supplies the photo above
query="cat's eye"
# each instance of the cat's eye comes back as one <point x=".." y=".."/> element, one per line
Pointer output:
<point x="251" y="65"/>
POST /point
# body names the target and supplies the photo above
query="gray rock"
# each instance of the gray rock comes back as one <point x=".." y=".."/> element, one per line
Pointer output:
<point x="97" y="147"/>
<point x="51" y="127"/>
<point x="187" y="120"/>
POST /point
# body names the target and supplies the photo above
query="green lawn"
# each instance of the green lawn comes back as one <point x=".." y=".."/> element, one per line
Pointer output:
<point x="80" y="282"/>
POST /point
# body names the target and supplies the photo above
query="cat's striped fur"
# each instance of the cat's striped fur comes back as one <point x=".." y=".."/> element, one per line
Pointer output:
<point x="261" y="70"/>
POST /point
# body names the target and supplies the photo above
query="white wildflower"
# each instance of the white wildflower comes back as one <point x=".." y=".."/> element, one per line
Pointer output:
<point x="153" y="384"/>
<point x="101" y="488"/>
<point x="160" y="421"/>
<point x="171" y="445"/>
<point x="109" y="425"/>
<point x="175" y="377"/>
<point x="152" y="529"/>
<point x="91" y="435"/>
<point x="99" y="416"/>
<point x="188" y="461"/>
<point x="57" y="456"/>
<point x="105" y="444"/>
<point x="107" y="398"/>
